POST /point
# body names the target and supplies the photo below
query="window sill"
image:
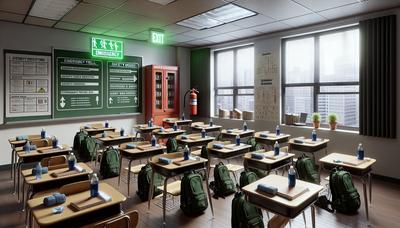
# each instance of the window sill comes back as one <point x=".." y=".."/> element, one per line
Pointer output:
<point x="241" y="120"/>
<point x="323" y="129"/>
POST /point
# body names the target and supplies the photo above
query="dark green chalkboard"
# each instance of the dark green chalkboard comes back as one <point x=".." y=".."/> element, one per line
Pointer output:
<point x="85" y="86"/>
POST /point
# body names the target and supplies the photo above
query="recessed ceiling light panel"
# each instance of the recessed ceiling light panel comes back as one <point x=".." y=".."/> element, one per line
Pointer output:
<point x="218" y="16"/>
<point x="162" y="2"/>
<point x="52" y="9"/>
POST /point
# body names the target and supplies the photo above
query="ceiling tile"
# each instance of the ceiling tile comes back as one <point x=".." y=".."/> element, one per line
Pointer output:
<point x="198" y="42"/>
<point x="173" y="29"/>
<point x="94" y="30"/>
<point x="180" y="38"/>
<point x="279" y="10"/>
<point x="15" y="6"/>
<point x="39" y="21"/>
<point x="358" y="8"/>
<point x="144" y="36"/>
<point x="243" y="33"/>
<point x="226" y="28"/>
<point x="139" y="23"/>
<point x="220" y="38"/>
<point x="318" y="5"/>
<point x="253" y="21"/>
<point x="112" y="19"/>
<point x="271" y="27"/>
<point x="85" y="13"/>
<point x="5" y="16"/>
<point x="200" y="33"/>
<point x="116" y="33"/>
<point x="172" y="12"/>
<point x="68" y="26"/>
<point x="106" y="3"/>
<point x="304" y="20"/>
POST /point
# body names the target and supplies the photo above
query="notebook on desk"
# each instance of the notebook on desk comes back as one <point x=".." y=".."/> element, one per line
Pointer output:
<point x="354" y="161"/>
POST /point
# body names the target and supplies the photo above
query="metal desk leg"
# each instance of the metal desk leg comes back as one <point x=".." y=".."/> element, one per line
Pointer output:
<point x="312" y="216"/>
<point x="208" y="189"/>
<point x="120" y="167"/>
<point x="129" y="177"/>
<point x="304" y="218"/>
<point x="370" y="187"/>
<point x="18" y="179"/>
<point x="12" y="161"/>
<point x="23" y="195"/>
<point x="365" y="197"/>
<point x="150" y="190"/>
<point x="164" y="198"/>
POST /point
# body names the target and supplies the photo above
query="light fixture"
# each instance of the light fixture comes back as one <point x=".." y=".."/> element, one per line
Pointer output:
<point x="218" y="16"/>
<point x="162" y="2"/>
<point x="52" y="9"/>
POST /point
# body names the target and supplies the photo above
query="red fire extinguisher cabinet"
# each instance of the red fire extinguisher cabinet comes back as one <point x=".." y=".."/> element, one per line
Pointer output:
<point x="161" y="93"/>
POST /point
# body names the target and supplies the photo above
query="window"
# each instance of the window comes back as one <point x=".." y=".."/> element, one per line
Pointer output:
<point x="234" y="79"/>
<point x="321" y="74"/>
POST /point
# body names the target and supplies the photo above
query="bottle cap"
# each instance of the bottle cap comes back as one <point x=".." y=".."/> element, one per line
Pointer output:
<point x="291" y="167"/>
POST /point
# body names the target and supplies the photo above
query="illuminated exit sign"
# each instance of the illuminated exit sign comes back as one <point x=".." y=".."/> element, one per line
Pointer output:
<point x="106" y="48"/>
<point x="157" y="37"/>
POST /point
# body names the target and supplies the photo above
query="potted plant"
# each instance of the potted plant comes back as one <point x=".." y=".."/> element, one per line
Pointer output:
<point x="332" y="119"/>
<point x="316" y="118"/>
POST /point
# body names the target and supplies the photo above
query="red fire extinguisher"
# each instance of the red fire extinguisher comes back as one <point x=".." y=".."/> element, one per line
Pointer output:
<point x="192" y="101"/>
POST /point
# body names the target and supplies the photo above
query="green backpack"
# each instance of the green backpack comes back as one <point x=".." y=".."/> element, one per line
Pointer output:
<point x="78" y="139"/>
<point x="109" y="166"/>
<point x="144" y="179"/>
<point x="254" y="145"/>
<point x="193" y="197"/>
<point x="172" y="145"/>
<point x="244" y="214"/>
<point x="345" y="198"/>
<point x="88" y="149"/>
<point x="247" y="177"/>
<point x="204" y="152"/>
<point x="223" y="184"/>
<point x="258" y="172"/>
<point x="306" y="170"/>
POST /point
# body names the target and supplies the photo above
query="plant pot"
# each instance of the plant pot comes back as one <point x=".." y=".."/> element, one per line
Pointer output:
<point x="333" y="126"/>
<point x="316" y="124"/>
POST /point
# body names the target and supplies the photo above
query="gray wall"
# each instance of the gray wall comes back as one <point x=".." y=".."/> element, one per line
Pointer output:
<point x="33" y="38"/>
<point x="386" y="151"/>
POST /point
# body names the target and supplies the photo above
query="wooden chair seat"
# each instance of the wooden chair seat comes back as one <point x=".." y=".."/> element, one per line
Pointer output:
<point x="135" y="169"/>
<point x="125" y="220"/>
<point x="196" y="152"/>
<point x="173" y="188"/>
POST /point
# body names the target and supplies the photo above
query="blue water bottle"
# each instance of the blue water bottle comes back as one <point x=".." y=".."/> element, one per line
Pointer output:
<point x="71" y="161"/>
<point x="38" y="171"/>
<point x="292" y="177"/>
<point x="43" y="133"/>
<point x="186" y="153"/>
<point x="244" y="126"/>
<point x="153" y="141"/>
<point x="276" y="148"/>
<point x="211" y="122"/>
<point x="277" y="130"/>
<point x="175" y="126"/>
<point x="360" y="152"/>
<point x="314" y="135"/>
<point x="183" y="116"/>
<point x="55" y="142"/>
<point x="122" y="131"/>
<point x="94" y="185"/>
<point x="237" y="140"/>
<point x="106" y="125"/>
<point x="27" y="147"/>
<point x="203" y="133"/>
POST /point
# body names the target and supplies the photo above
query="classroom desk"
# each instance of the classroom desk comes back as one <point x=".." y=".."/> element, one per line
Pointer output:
<point x="361" y="171"/>
<point x="268" y="164"/>
<point x="279" y="205"/>
<point x="206" y="127"/>
<point x="143" y="151"/>
<point x="48" y="181"/>
<point x="168" y="133"/>
<point x="112" y="140"/>
<point x="171" y="121"/>
<point x="72" y="218"/>
<point x="145" y="130"/>
<point x="173" y="170"/>
<point x="231" y="133"/>
<point x="97" y="130"/>
<point x="227" y="153"/>
<point x="36" y="156"/>
<point x="271" y="138"/>
<point x="309" y="146"/>
<point x="194" y="140"/>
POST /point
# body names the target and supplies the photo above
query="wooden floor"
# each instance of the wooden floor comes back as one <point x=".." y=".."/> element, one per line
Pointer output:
<point x="384" y="211"/>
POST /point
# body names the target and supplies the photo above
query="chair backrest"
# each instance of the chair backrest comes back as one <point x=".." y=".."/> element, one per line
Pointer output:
<point x="303" y="117"/>
<point x="76" y="187"/>
<point x="55" y="162"/>
<point x="197" y="123"/>
<point x="42" y="142"/>
<point x="126" y="220"/>
<point x="284" y="149"/>
<point x="33" y="137"/>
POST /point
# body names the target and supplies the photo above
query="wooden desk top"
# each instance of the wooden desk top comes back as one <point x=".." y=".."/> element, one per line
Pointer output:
<point x="268" y="160"/>
<point x="229" y="150"/>
<point x="145" y="127"/>
<point x="192" y="138"/>
<point x="271" y="136"/>
<point x="22" y="154"/>
<point x="177" y="121"/>
<point x="116" y="137"/>
<point x="309" y="142"/>
<point x="45" y="217"/>
<point x="330" y="158"/>
<point x="175" y="156"/>
<point x="237" y="132"/>
<point x="141" y="151"/>
<point x="251" y="189"/>
<point x="31" y="179"/>
<point x="16" y="143"/>
<point x="169" y="132"/>
<point x="99" y="129"/>
<point x="206" y="127"/>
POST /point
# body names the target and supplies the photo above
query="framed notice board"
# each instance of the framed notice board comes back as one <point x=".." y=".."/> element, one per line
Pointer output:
<point x="28" y="85"/>
<point x="87" y="86"/>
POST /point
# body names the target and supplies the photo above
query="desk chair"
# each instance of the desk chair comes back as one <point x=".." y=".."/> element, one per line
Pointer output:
<point x="125" y="220"/>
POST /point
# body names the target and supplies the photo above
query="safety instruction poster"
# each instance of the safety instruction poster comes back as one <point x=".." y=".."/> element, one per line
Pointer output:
<point x="27" y="84"/>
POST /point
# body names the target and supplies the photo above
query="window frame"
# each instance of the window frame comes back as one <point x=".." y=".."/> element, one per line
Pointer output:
<point x="316" y="85"/>
<point x="235" y="88"/>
